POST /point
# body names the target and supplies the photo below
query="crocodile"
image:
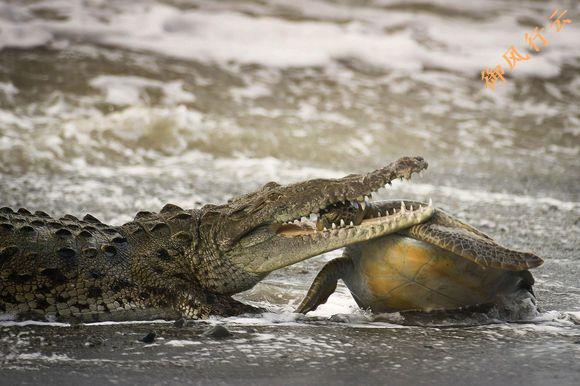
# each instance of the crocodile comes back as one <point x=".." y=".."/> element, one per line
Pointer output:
<point x="442" y="264"/>
<point x="181" y="262"/>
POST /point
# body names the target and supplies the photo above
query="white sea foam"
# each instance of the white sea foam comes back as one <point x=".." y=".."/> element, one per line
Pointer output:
<point x="73" y="133"/>
<point x="8" y="89"/>
<point x="182" y="342"/>
<point x="9" y="323"/>
<point x="53" y="358"/>
<point x="128" y="90"/>
<point x="389" y="38"/>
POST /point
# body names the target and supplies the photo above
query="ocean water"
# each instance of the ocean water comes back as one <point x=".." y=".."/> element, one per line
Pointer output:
<point x="111" y="107"/>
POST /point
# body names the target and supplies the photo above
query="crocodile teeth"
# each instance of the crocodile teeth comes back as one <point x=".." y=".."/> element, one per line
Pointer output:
<point x="363" y="205"/>
<point x="379" y="213"/>
<point x="341" y="222"/>
<point x="351" y="223"/>
<point x="403" y="209"/>
<point x="430" y="202"/>
<point x="333" y="226"/>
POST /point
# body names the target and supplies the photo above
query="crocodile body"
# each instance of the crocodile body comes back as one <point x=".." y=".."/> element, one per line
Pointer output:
<point x="85" y="269"/>
<point x="180" y="262"/>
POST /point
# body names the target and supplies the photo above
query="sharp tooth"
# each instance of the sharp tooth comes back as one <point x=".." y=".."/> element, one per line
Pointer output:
<point x="341" y="222"/>
<point x="379" y="213"/>
<point x="421" y="207"/>
<point x="325" y="229"/>
<point x="363" y="205"/>
<point x="351" y="224"/>
<point x="403" y="207"/>
<point x="430" y="202"/>
<point x="333" y="226"/>
<point x="412" y="208"/>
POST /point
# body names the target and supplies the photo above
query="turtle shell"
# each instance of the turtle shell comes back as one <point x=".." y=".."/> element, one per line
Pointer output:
<point x="398" y="273"/>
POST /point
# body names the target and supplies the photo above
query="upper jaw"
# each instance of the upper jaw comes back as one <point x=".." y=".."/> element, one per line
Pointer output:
<point x="317" y="195"/>
<point x="275" y="205"/>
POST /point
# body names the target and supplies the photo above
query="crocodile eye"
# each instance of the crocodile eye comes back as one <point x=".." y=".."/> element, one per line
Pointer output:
<point x="274" y="196"/>
<point x="271" y="185"/>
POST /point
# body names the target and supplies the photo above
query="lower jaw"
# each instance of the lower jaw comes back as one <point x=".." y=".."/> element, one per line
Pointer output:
<point x="302" y="245"/>
<point x="371" y="224"/>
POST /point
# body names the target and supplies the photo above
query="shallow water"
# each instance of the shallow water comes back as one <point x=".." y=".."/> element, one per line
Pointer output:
<point x="111" y="107"/>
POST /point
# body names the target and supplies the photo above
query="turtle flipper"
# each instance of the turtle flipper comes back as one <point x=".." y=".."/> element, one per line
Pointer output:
<point x="324" y="284"/>
<point x="479" y="249"/>
<point x="442" y="218"/>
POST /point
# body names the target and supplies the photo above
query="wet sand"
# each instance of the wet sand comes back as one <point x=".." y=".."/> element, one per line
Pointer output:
<point x="311" y="353"/>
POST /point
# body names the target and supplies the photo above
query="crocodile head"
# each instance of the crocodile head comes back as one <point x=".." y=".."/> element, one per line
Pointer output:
<point x="277" y="225"/>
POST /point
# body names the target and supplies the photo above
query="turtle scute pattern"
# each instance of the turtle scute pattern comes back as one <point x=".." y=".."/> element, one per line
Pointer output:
<point x="69" y="268"/>
<point x="399" y="273"/>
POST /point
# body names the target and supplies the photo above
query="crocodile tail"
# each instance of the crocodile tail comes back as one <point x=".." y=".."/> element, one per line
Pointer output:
<point x="41" y="259"/>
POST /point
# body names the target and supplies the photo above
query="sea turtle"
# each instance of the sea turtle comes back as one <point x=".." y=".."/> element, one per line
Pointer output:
<point x="441" y="264"/>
